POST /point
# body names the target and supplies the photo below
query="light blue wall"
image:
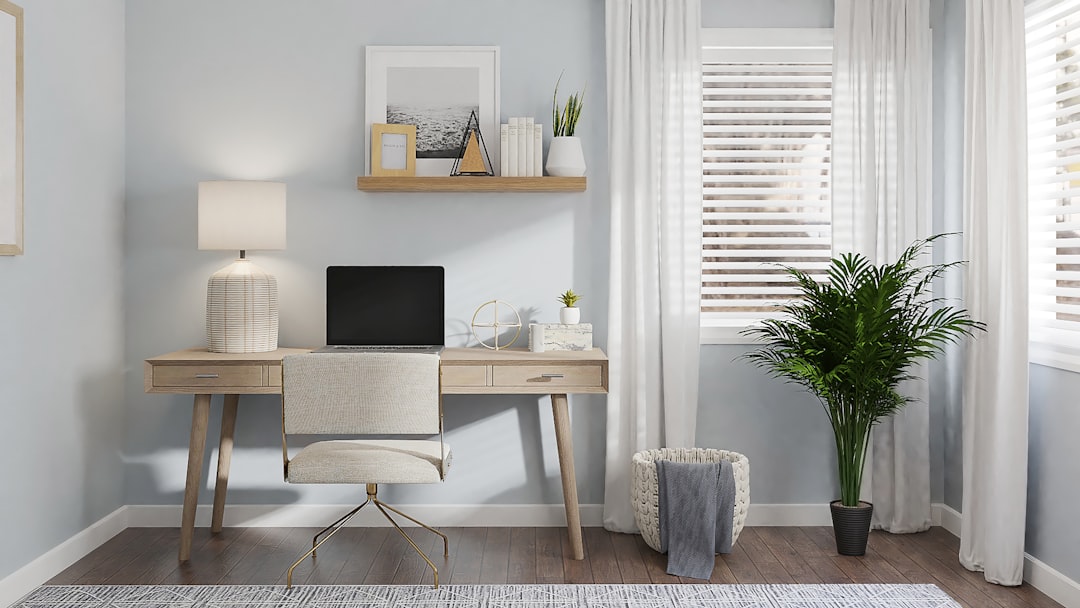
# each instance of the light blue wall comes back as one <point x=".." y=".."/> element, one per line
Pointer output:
<point x="767" y="13"/>
<point x="274" y="89"/>
<point x="61" y="308"/>
<point x="947" y="376"/>
<point x="778" y="426"/>
<point x="1054" y="469"/>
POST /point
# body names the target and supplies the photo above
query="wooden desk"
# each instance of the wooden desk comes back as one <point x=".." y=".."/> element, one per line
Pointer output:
<point x="465" y="371"/>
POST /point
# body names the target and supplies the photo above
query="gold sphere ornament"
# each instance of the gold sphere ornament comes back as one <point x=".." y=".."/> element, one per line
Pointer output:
<point x="496" y="313"/>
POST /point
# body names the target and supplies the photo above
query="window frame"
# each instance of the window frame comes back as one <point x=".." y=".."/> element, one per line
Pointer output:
<point x="757" y="44"/>
<point x="1047" y="346"/>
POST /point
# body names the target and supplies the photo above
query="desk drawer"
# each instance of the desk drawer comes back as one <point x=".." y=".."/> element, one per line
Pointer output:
<point x="274" y="374"/>
<point x="546" y="375"/>
<point x="209" y="375"/>
<point x="460" y="375"/>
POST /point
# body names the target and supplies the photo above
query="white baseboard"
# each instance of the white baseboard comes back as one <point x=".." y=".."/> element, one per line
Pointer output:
<point x="1059" y="587"/>
<point x="53" y="562"/>
<point x="285" y="516"/>
<point x="1037" y="573"/>
<point x="948" y="518"/>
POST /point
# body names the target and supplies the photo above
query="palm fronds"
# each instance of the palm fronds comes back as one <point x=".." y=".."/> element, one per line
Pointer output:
<point x="852" y="340"/>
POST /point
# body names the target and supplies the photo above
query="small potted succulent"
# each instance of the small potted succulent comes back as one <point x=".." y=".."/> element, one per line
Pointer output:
<point x="565" y="158"/>
<point x="569" y="314"/>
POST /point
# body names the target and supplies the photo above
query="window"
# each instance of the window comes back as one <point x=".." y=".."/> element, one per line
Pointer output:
<point x="1053" y="49"/>
<point x="767" y="110"/>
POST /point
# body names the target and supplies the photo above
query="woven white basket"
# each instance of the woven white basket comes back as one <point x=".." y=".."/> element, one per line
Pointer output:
<point x="643" y="493"/>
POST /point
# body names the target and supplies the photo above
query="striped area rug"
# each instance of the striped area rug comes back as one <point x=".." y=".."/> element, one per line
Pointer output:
<point x="489" y="596"/>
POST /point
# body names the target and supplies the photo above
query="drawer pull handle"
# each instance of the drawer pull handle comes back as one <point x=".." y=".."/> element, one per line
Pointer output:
<point x="206" y="375"/>
<point x="551" y="375"/>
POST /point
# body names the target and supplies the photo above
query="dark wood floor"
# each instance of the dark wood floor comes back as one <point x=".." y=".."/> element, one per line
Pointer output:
<point x="378" y="556"/>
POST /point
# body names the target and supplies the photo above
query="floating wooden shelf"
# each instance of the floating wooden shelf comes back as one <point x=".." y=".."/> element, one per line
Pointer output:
<point x="470" y="183"/>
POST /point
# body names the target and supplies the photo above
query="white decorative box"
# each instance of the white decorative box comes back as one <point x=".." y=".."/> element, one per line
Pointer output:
<point x="556" y="336"/>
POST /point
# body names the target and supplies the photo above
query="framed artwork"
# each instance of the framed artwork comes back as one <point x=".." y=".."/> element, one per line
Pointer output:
<point x="393" y="150"/>
<point x="11" y="129"/>
<point x="434" y="88"/>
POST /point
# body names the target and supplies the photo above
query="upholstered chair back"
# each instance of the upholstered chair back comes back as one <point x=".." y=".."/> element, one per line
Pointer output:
<point x="361" y="393"/>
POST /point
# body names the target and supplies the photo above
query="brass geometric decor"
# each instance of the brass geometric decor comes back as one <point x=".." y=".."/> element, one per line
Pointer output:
<point x="472" y="158"/>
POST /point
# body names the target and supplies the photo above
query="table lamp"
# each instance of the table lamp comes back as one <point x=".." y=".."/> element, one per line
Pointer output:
<point x="241" y="299"/>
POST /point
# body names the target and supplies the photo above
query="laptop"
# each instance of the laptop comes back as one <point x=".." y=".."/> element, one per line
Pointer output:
<point x="385" y="309"/>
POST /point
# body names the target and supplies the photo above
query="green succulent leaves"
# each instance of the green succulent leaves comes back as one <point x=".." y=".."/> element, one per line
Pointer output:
<point x="564" y="121"/>
<point x="569" y="298"/>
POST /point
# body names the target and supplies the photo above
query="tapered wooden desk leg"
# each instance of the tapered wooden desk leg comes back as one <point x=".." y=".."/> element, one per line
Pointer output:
<point x="565" y="442"/>
<point x="221" y="486"/>
<point x="200" y="417"/>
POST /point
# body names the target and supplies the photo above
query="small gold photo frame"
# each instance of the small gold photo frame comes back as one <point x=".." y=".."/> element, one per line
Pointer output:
<point x="393" y="150"/>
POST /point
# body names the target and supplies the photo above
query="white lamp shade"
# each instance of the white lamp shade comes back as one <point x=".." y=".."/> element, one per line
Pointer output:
<point x="241" y="215"/>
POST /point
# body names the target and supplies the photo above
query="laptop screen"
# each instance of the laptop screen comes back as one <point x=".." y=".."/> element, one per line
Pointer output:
<point x="385" y="306"/>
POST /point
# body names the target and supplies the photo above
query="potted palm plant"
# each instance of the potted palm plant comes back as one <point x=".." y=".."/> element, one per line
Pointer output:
<point x="851" y="341"/>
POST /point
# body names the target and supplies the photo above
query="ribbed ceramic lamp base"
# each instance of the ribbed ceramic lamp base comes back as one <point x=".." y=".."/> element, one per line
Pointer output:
<point x="241" y="310"/>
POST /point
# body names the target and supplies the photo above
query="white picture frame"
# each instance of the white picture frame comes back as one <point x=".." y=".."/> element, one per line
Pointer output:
<point x="11" y="129"/>
<point x="431" y="86"/>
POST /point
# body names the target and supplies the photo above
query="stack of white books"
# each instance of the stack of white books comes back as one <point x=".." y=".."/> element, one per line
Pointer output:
<point x="521" y="148"/>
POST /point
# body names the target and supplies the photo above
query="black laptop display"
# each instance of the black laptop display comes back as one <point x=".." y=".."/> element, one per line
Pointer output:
<point x="385" y="306"/>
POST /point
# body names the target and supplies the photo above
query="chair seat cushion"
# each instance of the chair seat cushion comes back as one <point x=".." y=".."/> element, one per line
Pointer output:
<point x="369" y="461"/>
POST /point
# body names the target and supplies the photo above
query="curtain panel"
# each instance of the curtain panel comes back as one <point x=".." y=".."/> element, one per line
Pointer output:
<point x="995" y="427"/>
<point x="882" y="191"/>
<point x="654" y="143"/>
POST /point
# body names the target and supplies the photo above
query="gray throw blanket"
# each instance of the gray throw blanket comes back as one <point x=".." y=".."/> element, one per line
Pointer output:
<point x="697" y="504"/>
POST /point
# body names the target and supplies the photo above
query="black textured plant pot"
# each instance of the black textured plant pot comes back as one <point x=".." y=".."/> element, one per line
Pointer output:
<point x="851" y="525"/>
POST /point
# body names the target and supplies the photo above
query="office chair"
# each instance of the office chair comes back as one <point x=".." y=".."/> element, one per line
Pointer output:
<point x="364" y="394"/>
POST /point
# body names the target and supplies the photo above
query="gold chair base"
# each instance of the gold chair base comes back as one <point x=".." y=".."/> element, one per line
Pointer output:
<point x="372" y="498"/>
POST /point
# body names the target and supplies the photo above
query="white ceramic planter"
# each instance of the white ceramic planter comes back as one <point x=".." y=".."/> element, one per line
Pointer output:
<point x="565" y="158"/>
<point x="569" y="315"/>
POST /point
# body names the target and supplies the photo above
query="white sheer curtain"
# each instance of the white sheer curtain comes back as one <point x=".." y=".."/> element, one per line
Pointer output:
<point x="881" y="151"/>
<point x="654" y="142"/>
<point x="995" y="233"/>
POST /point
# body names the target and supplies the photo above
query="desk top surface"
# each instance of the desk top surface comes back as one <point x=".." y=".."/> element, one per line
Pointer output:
<point x="452" y="355"/>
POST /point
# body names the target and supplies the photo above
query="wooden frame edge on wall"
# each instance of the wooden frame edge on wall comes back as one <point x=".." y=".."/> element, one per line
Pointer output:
<point x="378" y="133"/>
<point x="11" y="130"/>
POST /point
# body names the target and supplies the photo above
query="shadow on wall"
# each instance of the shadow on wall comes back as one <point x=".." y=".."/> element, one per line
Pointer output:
<point x="504" y="453"/>
<point x="460" y="331"/>
<point x="149" y="477"/>
<point x="518" y="462"/>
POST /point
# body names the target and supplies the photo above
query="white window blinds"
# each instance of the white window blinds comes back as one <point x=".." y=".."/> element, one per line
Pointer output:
<point x="1053" y="48"/>
<point x="767" y="101"/>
